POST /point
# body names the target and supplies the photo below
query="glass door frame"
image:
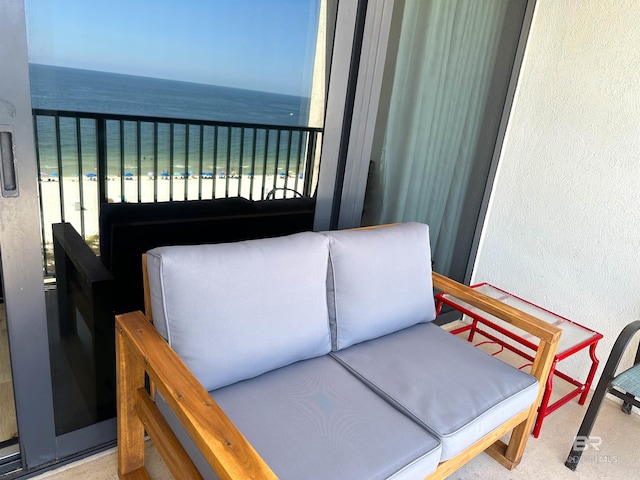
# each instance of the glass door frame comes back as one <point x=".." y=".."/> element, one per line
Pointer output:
<point x="346" y="152"/>
<point x="21" y="252"/>
<point x="21" y="248"/>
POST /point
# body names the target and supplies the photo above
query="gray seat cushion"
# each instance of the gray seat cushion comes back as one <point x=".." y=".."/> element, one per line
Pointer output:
<point x="236" y="310"/>
<point x="453" y="389"/>
<point x="315" y="420"/>
<point x="379" y="281"/>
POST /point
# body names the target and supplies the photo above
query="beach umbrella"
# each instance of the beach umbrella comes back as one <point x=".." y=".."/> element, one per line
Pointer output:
<point x="91" y="176"/>
<point x="128" y="176"/>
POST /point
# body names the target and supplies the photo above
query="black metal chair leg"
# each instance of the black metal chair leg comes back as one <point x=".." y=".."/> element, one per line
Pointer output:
<point x="589" y="419"/>
<point x="581" y="439"/>
<point x="626" y="406"/>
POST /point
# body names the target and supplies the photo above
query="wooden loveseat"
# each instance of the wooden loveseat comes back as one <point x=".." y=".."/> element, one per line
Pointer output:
<point x="314" y="356"/>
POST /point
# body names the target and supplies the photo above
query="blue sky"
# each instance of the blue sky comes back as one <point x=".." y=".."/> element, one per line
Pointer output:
<point x="265" y="45"/>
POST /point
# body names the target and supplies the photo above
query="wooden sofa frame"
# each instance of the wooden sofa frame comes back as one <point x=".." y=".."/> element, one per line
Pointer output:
<point x="141" y="350"/>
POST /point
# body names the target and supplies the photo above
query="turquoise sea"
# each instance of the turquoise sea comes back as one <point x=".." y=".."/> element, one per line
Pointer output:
<point x="69" y="89"/>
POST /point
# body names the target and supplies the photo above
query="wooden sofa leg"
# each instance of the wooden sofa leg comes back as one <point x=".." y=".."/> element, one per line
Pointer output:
<point x="130" y="374"/>
<point x="509" y="455"/>
<point x="518" y="441"/>
<point x="541" y="369"/>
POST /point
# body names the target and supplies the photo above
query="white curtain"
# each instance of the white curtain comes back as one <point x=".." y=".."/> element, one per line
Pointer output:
<point x="445" y="61"/>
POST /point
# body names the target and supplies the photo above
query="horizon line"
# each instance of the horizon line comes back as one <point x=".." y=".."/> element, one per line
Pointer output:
<point x="169" y="80"/>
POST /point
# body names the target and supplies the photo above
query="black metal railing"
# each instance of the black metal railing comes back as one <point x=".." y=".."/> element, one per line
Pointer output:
<point x="86" y="159"/>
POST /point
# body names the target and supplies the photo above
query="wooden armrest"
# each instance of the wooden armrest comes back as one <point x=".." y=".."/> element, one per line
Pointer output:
<point x="517" y="318"/>
<point x="224" y="447"/>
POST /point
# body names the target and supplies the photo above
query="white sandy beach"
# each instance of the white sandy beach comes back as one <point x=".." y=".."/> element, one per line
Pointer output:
<point x="161" y="189"/>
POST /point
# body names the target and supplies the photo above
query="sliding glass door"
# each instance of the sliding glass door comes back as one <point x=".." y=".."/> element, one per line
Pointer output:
<point x="446" y="96"/>
<point x="441" y="93"/>
<point x="144" y="101"/>
<point x="153" y="101"/>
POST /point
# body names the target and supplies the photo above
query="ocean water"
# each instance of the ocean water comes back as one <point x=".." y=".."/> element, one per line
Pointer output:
<point x="192" y="150"/>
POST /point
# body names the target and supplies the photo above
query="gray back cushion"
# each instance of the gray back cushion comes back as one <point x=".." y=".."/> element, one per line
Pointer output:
<point x="236" y="310"/>
<point x="379" y="281"/>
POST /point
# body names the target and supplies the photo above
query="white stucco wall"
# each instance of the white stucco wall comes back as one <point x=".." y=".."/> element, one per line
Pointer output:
<point x="563" y="225"/>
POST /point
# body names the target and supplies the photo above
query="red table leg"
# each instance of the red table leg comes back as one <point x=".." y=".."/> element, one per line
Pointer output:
<point x="592" y="372"/>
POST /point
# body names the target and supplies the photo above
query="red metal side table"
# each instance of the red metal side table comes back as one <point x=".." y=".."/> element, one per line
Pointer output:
<point x="575" y="338"/>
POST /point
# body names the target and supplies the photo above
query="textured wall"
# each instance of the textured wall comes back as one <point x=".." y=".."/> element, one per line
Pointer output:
<point x="563" y="226"/>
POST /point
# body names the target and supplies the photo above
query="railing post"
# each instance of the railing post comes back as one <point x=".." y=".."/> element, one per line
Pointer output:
<point x="80" y="176"/>
<point x="46" y="253"/>
<point x="101" y="148"/>
<point x="59" y="167"/>
<point x="310" y="162"/>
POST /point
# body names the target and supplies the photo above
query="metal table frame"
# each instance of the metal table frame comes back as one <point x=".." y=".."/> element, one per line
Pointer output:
<point x="481" y="319"/>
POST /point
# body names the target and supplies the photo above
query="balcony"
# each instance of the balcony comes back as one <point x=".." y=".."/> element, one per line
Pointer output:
<point x="87" y="159"/>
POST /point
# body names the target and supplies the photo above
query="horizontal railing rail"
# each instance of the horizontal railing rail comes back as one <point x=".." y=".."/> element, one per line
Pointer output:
<point x="86" y="159"/>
